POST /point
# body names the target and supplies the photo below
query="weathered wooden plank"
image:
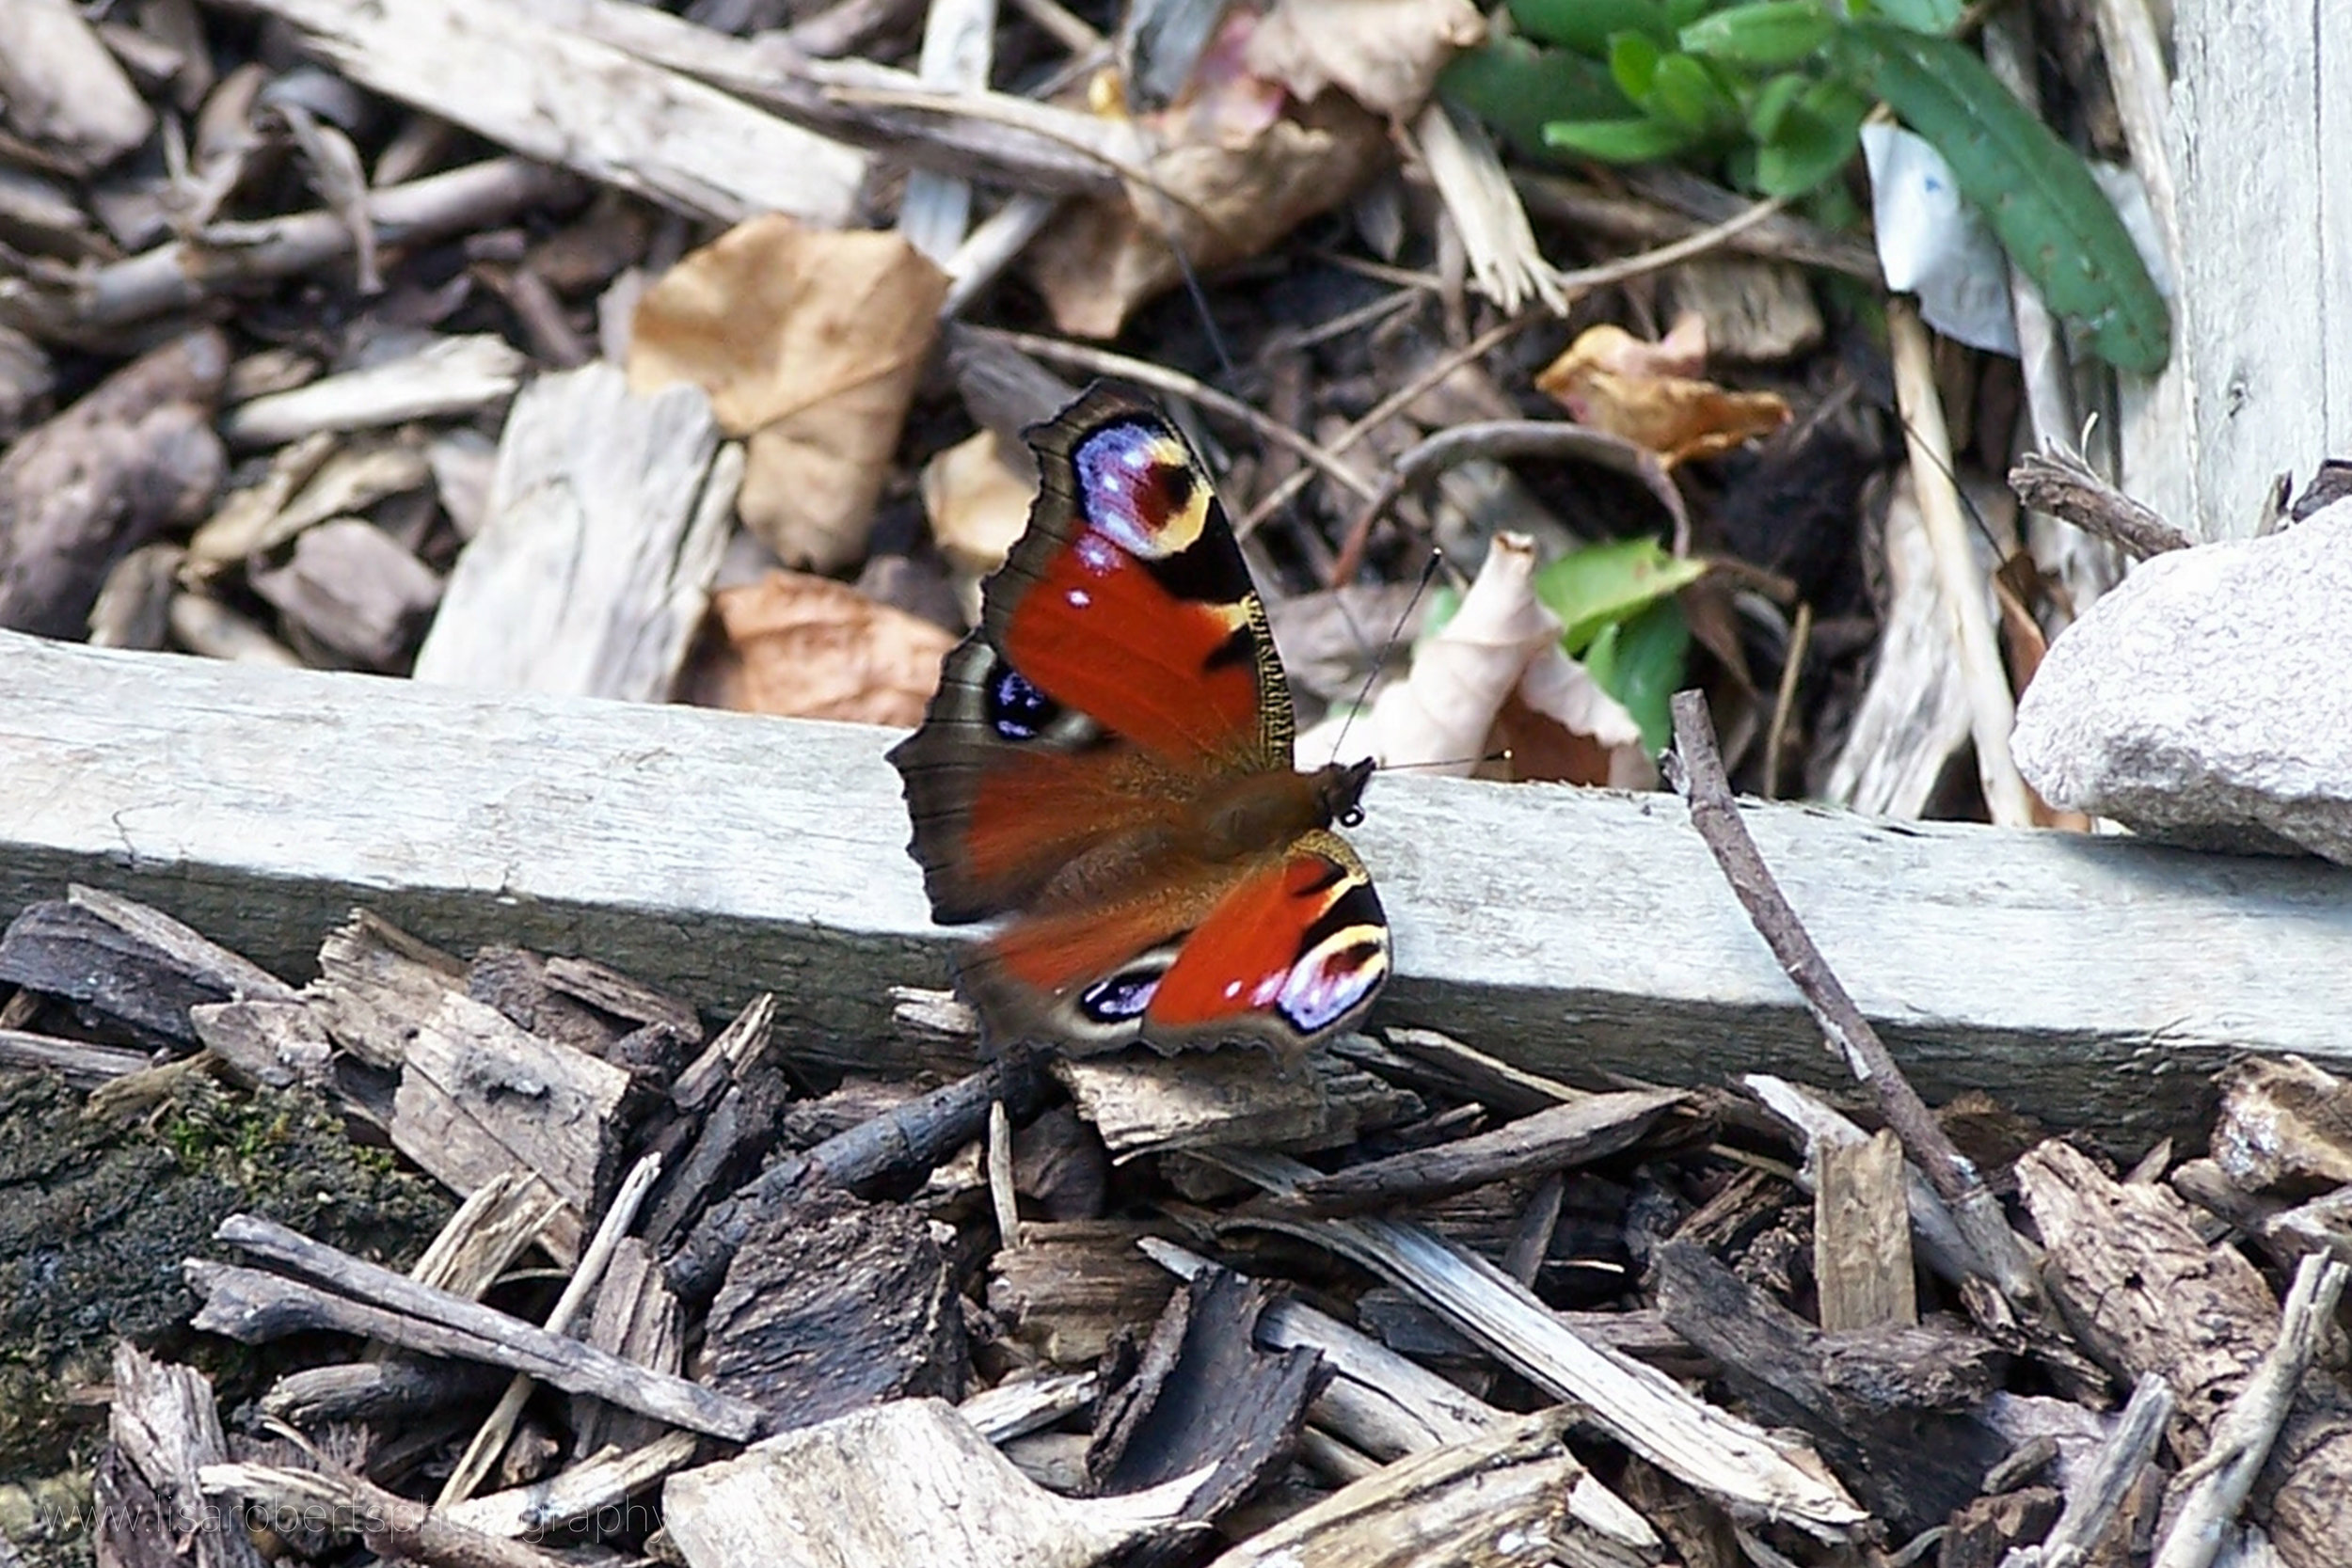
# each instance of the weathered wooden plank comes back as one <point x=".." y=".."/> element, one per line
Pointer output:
<point x="2266" y="246"/>
<point x="719" y="855"/>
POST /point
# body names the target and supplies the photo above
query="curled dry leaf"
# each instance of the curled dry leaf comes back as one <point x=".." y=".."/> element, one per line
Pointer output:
<point x="809" y="343"/>
<point x="1384" y="53"/>
<point x="1215" y="197"/>
<point x="808" y="647"/>
<point x="1651" y="393"/>
<point x="978" y="504"/>
<point x="1494" y="678"/>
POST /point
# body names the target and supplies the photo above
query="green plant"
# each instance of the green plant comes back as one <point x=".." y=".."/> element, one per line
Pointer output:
<point x="1775" y="92"/>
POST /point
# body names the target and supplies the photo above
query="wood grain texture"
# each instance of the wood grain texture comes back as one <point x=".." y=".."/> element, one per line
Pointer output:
<point x="553" y="94"/>
<point x="2089" y="980"/>
<point x="2260" y="120"/>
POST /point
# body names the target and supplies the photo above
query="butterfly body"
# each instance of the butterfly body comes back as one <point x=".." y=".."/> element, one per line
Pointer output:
<point x="1108" y="764"/>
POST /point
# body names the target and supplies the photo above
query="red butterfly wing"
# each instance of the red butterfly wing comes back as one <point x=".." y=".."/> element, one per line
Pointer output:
<point x="1110" y="759"/>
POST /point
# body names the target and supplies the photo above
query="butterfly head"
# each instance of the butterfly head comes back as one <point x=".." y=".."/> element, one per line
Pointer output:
<point x="1339" y="791"/>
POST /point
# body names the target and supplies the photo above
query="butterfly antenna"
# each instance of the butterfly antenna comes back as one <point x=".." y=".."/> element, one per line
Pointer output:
<point x="1396" y="635"/>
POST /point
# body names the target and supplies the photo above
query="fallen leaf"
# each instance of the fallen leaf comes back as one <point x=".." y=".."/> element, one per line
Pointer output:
<point x="1494" y="678"/>
<point x="1212" y="201"/>
<point x="808" y="647"/>
<point x="1649" y="393"/>
<point x="809" y="343"/>
<point x="1384" y="53"/>
<point x="978" y="505"/>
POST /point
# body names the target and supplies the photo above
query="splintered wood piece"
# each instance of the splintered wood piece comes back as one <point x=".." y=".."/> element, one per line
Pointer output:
<point x="448" y="376"/>
<point x="637" y="1319"/>
<point x="1143" y="1103"/>
<point x="354" y="590"/>
<point x="1022" y="1405"/>
<point x="624" y="996"/>
<point x="579" y="1493"/>
<point x="479" y="1097"/>
<point x="1862" y="1237"/>
<point x="1455" y="1504"/>
<point x="1731" y="1461"/>
<point x="607" y="517"/>
<point x="79" y="1063"/>
<point x="1205" y="1401"/>
<point x="547" y="90"/>
<point x="97" y="480"/>
<point x="1940" y="1245"/>
<point x="64" y="90"/>
<point x="1378" y="1401"/>
<point x="1069" y="1289"/>
<point x="2284" y="1126"/>
<point x="267" y="1044"/>
<point x="831" y="1305"/>
<point x="1984" y="1532"/>
<point x="2146" y="1293"/>
<point x="252" y="1306"/>
<point x="908" y="1485"/>
<point x="1591" y="1128"/>
<point x="1877" y="1405"/>
<point x="392" y="1526"/>
<point x="128" y="962"/>
<point x="373" y="980"/>
<point x="1426" y="1059"/>
<point x="162" y="1432"/>
<point x="400" y="1393"/>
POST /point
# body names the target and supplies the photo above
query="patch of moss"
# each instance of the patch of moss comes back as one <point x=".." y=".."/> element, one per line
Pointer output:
<point x="97" y="1215"/>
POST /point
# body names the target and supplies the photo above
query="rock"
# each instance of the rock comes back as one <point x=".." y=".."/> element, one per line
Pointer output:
<point x="2205" y="701"/>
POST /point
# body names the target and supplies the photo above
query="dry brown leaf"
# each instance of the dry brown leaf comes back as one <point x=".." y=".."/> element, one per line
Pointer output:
<point x="1651" y="393"/>
<point x="1384" y="53"/>
<point x="808" y="647"/>
<point x="1216" y="201"/>
<point x="809" y="343"/>
<point x="1495" y="678"/>
<point x="978" y="504"/>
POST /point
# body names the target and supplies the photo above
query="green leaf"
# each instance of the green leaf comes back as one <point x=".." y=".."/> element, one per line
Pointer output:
<point x="1519" y="90"/>
<point x="1641" y="663"/>
<point x="1619" y="141"/>
<point x="1633" y="65"/>
<point x="1774" y="100"/>
<point x="1587" y="25"/>
<point x="1684" y="91"/>
<point x="1921" y="16"/>
<point x="1816" y="138"/>
<point x="1768" y="33"/>
<point x="1601" y="584"/>
<point x="2052" y="217"/>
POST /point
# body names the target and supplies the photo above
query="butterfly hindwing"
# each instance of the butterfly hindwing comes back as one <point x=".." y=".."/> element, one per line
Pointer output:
<point x="1109" y="762"/>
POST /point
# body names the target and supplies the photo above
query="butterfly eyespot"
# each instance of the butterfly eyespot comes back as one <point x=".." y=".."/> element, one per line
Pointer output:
<point x="1016" y="709"/>
<point x="1352" y="817"/>
<point x="1122" y="997"/>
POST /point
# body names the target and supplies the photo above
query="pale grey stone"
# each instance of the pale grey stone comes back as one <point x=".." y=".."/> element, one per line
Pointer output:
<point x="2208" y="699"/>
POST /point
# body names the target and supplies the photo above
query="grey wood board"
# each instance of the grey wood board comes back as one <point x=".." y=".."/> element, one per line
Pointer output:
<point x="2260" y="121"/>
<point x="2089" y="980"/>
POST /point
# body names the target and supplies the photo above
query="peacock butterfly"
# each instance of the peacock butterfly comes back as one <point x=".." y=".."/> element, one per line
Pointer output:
<point x="1107" y="762"/>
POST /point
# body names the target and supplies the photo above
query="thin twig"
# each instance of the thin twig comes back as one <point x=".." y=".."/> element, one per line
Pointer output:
<point x="2211" y="1492"/>
<point x="1696" y="770"/>
<point x="1785" y="700"/>
<point x="593" y="1261"/>
<point x="1160" y="378"/>
<point x="392" y="1526"/>
<point x="1502" y="440"/>
<point x="1715" y="237"/>
<point x="2056" y="479"/>
<point x="2093" y="1503"/>
<point x="1386" y="408"/>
